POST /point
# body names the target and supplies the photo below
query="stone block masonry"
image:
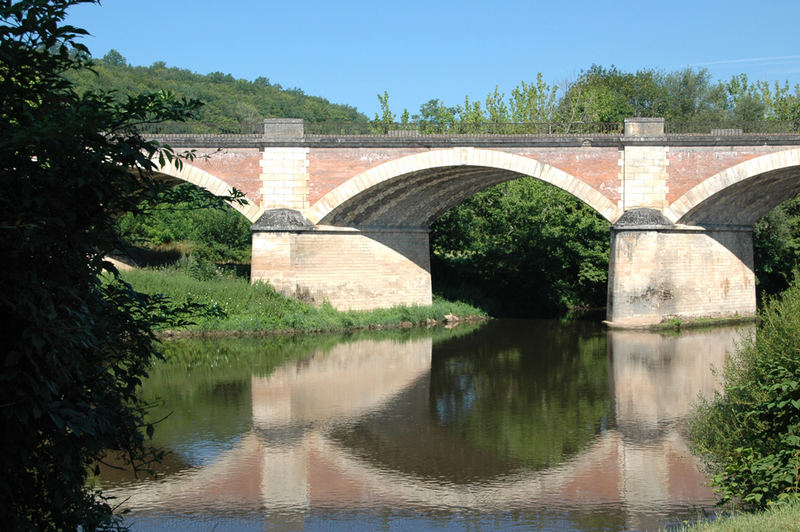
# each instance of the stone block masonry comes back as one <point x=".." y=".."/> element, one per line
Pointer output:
<point x="643" y="175"/>
<point x="284" y="176"/>
<point x="659" y="273"/>
<point x="351" y="269"/>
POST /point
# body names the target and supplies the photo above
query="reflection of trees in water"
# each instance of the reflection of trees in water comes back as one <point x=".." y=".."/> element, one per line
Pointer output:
<point x="523" y="391"/>
<point x="510" y="394"/>
<point x="403" y="437"/>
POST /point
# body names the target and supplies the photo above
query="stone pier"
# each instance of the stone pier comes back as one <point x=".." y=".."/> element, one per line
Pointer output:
<point x="659" y="271"/>
<point x="351" y="268"/>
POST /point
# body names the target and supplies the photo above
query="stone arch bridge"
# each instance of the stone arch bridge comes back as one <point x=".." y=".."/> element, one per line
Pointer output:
<point x="346" y="218"/>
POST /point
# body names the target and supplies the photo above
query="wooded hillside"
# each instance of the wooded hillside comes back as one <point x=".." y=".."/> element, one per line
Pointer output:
<point x="229" y="104"/>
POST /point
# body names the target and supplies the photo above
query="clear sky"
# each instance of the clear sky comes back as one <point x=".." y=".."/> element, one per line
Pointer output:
<point x="349" y="51"/>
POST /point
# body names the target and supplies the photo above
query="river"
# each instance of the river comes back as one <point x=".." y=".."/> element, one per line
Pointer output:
<point x="515" y="424"/>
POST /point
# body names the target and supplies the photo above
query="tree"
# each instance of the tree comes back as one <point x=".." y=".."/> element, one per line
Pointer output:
<point x="113" y="57"/>
<point x="776" y="247"/>
<point x="496" y="110"/>
<point x="533" y="102"/>
<point x="384" y="122"/>
<point x="76" y="340"/>
<point x="610" y="95"/>
<point x="470" y="116"/>
<point x="435" y="117"/>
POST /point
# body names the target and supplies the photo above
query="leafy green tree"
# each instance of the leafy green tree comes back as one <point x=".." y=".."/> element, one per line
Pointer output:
<point x="471" y="116"/>
<point x="776" y="248"/>
<point x="610" y="95"/>
<point x="496" y="110"/>
<point x="113" y="57"/>
<point x="435" y="117"/>
<point x="533" y="102"/>
<point x="781" y="103"/>
<point x="522" y="248"/>
<point x="385" y="121"/>
<point x="76" y="342"/>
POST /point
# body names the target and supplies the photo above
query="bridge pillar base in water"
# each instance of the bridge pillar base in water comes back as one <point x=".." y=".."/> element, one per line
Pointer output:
<point x="352" y="269"/>
<point x="661" y="272"/>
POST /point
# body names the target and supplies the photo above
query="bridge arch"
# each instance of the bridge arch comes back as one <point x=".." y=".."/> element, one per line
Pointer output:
<point x="741" y="194"/>
<point x="205" y="180"/>
<point x="414" y="190"/>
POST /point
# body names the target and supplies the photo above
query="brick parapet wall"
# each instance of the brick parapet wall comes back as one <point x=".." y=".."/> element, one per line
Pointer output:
<point x="330" y="167"/>
<point x="485" y="141"/>
<point x="238" y="167"/>
<point x="595" y="166"/>
<point x="691" y="165"/>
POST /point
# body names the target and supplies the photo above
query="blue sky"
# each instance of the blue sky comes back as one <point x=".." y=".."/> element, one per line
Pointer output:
<point x="348" y="52"/>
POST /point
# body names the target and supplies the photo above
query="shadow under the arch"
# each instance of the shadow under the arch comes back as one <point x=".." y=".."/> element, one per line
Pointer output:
<point x="743" y="203"/>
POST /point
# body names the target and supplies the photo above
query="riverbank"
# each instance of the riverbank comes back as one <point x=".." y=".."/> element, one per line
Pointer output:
<point x="237" y="307"/>
<point x="778" y="518"/>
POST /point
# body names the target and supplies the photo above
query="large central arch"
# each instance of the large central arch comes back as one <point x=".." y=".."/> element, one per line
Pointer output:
<point x="414" y="190"/>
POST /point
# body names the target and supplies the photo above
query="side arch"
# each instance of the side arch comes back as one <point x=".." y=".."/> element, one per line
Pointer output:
<point x="209" y="182"/>
<point x="741" y="194"/>
<point x="414" y="190"/>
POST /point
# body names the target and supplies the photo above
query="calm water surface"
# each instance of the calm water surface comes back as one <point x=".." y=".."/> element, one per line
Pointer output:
<point x="529" y="425"/>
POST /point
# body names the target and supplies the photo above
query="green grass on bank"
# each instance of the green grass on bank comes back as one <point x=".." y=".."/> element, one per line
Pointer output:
<point x="249" y="308"/>
<point x="779" y="518"/>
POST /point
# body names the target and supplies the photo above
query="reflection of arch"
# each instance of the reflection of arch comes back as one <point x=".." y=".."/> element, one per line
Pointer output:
<point x="210" y="182"/>
<point x="416" y="189"/>
<point x="742" y="193"/>
<point x="274" y="470"/>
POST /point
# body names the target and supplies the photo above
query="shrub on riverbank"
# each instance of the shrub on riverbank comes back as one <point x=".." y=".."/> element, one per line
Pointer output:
<point x="237" y="305"/>
<point x="749" y="433"/>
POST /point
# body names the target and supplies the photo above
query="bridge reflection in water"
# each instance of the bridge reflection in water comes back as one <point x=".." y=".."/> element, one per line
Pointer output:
<point x="574" y="430"/>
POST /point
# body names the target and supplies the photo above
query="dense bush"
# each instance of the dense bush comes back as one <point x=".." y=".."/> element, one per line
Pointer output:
<point x="776" y="247"/>
<point x="209" y="231"/>
<point x="749" y="433"/>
